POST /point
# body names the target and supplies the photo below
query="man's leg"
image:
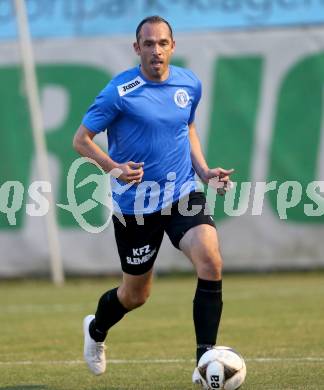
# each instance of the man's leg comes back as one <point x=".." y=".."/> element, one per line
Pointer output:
<point x="200" y="245"/>
<point x="112" y="306"/>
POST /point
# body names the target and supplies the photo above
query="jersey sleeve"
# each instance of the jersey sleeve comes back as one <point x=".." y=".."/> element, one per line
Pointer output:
<point x="104" y="110"/>
<point x="195" y="102"/>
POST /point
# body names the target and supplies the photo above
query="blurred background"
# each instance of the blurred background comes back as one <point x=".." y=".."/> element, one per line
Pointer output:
<point x="261" y="64"/>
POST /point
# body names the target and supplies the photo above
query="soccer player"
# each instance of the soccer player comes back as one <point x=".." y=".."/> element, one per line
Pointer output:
<point x="148" y="112"/>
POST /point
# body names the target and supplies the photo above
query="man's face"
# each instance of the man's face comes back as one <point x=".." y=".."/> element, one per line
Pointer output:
<point x="155" y="47"/>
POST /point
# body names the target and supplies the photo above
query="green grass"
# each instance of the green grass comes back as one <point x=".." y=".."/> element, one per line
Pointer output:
<point x="278" y="317"/>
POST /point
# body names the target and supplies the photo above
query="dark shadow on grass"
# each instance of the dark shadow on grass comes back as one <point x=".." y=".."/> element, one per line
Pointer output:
<point x="24" y="387"/>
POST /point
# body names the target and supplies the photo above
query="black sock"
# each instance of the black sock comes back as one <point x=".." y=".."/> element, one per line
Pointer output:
<point x="109" y="312"/>
<point x="207" y="311"/>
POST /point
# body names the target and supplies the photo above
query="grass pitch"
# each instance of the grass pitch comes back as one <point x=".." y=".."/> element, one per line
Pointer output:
<point x="275" y="320"/>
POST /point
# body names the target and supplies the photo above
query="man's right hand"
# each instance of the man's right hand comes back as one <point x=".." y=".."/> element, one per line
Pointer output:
<point x="129" y="172"/>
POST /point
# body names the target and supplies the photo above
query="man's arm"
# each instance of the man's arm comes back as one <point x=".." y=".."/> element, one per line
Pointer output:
<point x="199" y="162"/>
<point x="83" y="143"/>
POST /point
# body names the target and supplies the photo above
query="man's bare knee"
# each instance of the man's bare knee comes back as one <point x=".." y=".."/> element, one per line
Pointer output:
<point x="209" y="266"/>
<point x="132" y="299"/>
<point x="134" y="290"/>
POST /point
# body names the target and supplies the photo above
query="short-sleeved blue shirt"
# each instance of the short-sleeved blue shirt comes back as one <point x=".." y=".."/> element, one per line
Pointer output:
<point x="148" y="122"/>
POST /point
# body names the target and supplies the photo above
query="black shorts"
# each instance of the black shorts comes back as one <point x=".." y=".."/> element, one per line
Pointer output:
<point x="139" y="240"/>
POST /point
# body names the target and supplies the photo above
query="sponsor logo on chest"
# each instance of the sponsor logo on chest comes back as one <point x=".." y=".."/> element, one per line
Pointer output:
<point x="130" y="86"/>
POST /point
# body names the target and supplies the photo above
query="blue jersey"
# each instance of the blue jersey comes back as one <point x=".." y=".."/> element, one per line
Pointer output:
<point x="148" y="122"/>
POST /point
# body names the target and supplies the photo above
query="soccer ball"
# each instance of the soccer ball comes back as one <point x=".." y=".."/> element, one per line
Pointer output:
<point x="221" y="368"/>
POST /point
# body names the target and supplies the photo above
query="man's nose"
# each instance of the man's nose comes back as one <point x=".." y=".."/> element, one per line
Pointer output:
<point x="156" y="49"/>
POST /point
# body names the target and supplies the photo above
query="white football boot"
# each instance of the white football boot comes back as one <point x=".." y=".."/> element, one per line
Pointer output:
<point x="196" y="377"/>
<point x="198" y="380"/>
<point x="94" y="352"/>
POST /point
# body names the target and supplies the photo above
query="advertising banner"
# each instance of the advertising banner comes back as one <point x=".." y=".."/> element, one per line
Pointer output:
<point x="261" y="113"/>
<point x="75" y="18"/>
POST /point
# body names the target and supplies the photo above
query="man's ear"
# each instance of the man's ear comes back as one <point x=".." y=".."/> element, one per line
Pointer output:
<point x="173" y="46"/>
<point x="136" y="48"/>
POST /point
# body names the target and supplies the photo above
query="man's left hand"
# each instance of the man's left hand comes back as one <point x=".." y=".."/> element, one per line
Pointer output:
<point x="219" y="178"/>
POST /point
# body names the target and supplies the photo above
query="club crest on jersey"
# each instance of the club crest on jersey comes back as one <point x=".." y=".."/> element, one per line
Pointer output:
<point x="181" y="98"/>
